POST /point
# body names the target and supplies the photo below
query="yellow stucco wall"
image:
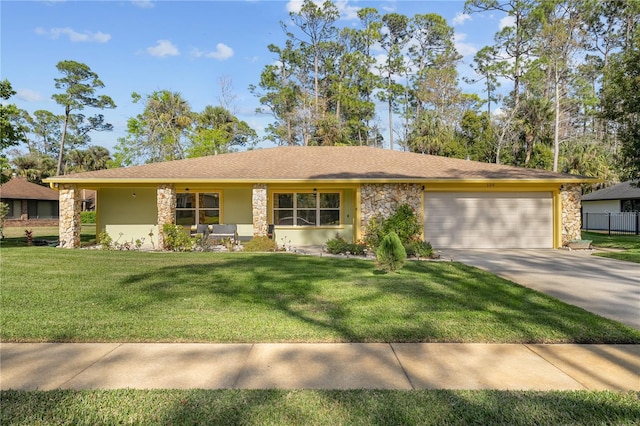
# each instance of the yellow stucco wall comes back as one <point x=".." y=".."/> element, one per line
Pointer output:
<point x="128" y="214"/>
<point x="237" y="209"/>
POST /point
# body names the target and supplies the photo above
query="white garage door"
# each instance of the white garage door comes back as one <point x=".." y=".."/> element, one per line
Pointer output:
<point x="489" y="219"/>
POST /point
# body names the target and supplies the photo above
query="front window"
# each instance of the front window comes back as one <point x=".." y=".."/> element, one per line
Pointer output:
<point x="630" y="206"/>
<point x="15" y="207"/>
<point x="197" y="208"/>
<point x="306" y="209"/>
<point x="42" y="209"/>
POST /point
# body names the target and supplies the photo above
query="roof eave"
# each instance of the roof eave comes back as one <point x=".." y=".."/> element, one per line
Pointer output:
<point x="420" y="180"/>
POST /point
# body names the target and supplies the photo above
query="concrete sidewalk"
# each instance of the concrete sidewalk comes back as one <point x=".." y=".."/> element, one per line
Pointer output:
<point x="44" y="366"/>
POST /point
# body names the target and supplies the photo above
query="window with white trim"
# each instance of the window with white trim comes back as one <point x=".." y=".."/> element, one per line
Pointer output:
<point x="306" y="208"/>
<point x="197" y="208"/>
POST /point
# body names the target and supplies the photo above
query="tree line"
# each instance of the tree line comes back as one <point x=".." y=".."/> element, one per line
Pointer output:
<point x="559" y="89"/>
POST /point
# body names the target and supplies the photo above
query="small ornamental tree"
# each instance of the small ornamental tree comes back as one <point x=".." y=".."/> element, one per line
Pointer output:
<point x="391" y="254"/>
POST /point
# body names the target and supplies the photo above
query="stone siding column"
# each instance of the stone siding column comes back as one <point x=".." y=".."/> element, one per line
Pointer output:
<point x="571" y="196"/>
<point x="260" y="209"/>
<point x="382" y="200"/>
<point x="69" y="222"/>
<point x="166" y="201"/>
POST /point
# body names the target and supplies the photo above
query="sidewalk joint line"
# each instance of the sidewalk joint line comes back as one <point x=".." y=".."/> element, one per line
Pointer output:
<point x="234" y="385"/>
<point x="555" y="366"/>
<point x="91" y="365"/>
<point x="402" y="366"/>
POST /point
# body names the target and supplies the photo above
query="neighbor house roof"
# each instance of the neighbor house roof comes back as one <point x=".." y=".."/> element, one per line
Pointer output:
<point x="621" y="191"/>
<point x="19" y="188"/>
<point x="323" y="163"/>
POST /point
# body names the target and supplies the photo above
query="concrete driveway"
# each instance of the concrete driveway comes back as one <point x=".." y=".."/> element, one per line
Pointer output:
<point x="607" y="287"/>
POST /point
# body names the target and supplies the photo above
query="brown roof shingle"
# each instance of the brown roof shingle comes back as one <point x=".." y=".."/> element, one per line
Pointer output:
<point x="19" y="188"/>
<point x="345" y="163"/>
<point x="622" y="191"/>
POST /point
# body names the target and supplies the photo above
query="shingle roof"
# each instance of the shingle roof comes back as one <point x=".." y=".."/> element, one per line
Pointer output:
<point x="621" y="191"/>
<point x="19" y="188"/>
<point x="345" y="163"/>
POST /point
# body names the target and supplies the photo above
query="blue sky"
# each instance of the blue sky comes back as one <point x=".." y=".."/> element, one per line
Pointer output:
<point x="184" y="46"/>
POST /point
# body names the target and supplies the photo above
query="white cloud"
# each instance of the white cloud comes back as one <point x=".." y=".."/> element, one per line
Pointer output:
<point x="295" y="5"/>
<point x="507" y="21"/>
<point x="221" y="53"/>
<point x="461" y="18"/>
<point x="465" y="49"/>
<point x="498" y="112"/>
<point x="163" y="48"/>
<point x="349" y="13"/>
<point x="143" y="4"/>
<point x="28" y="95"/>
<point x="74" y="36"/>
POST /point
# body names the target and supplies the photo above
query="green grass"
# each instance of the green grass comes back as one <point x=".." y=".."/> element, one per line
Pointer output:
<point x="629" y="243"/>
<point x="283" y="407"/>
<point x="54" y="295"/>
<point x="15" y="235"/>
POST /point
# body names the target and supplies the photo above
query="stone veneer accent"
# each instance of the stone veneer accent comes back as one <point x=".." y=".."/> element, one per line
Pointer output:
<point x="260" y="209"/>
<point x="381" y="200"/>
<point x="69" y="221"/>
<point x="166" y="202"/>
<point x="571" y="196"/>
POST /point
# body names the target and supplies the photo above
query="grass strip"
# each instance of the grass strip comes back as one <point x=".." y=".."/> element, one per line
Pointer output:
<point x="287" y="407"/>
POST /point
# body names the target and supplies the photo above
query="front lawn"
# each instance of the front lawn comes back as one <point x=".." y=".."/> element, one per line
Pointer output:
<point x="15" y="235"/>
<point x="54" y="295"/>
<point x="630" y="244"/>
<point x="284" y="407"/>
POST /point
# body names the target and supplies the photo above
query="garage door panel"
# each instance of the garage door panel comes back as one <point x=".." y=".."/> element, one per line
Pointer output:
<point x="489" y="220"/>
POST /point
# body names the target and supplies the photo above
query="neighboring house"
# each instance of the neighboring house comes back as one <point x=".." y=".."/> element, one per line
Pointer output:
<point x="623" y="197"/>
<point x="29" y="204"/>
<point x="614" y="208"/>
<point x="311" y="194"/>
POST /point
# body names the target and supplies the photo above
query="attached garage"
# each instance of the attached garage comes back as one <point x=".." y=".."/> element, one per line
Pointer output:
<point x="489" y="219"/>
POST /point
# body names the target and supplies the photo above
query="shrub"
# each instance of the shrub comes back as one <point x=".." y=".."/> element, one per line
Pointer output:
<point x="403" y="222"/>
<point x="105" y="240"/>
<point x="391" y="254"/>
<point x="4" y="211"/>
<point x="87" y="217"/>
<point x="261" y="244"/>
<point x="28" y="233"/>
<point x="419" y="249"/>
<point x="358" y="249"/>
<point x="374" y="232"/>
<point x="339" y="245"/>
<point x="176" y="238"/>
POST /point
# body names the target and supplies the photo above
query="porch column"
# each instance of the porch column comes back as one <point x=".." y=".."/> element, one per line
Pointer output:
<point x="69" y="223"/>
<point x="571" y="195"/>
<point x="166" y="201"/>
<point x="259" y="203"/>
